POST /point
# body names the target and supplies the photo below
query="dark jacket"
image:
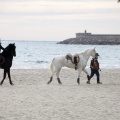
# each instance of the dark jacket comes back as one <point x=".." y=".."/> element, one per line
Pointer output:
<point x="1" y="47"/>
<point x="94" y="64"/>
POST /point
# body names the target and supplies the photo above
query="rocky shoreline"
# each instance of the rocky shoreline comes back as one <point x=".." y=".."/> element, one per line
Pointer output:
<point x="85" y="41"/>
<point x="93" y="39"/>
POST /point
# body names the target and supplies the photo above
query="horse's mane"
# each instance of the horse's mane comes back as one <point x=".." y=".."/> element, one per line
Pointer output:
<point x="8" y="48"/>
<point x="83" y="52"/>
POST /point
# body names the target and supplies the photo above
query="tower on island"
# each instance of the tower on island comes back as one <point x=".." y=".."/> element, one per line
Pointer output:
<point x="82" y="35"/>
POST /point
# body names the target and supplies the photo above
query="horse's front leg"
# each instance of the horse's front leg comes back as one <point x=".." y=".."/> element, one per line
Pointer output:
<point x="4" y="76"/>
<point x="9" y="77"/>
<point x="86" y="73"/>
<point x="79" y="73"/>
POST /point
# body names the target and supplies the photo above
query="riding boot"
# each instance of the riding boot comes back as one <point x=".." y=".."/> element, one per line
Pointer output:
<point x="88" y="82"/>
<point x="98" y="81"/>
<point x="88" y="77"/>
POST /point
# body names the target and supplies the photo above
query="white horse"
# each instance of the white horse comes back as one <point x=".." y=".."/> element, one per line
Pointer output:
<point x="61" y="61"/>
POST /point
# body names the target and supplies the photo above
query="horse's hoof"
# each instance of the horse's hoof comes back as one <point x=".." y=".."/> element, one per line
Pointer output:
<point x="48" y="82"/>
<point x="11" y="83"/>
<point x="59" y="81"/>
<point x="78" y="81"/>
<point x="1" y="83"/>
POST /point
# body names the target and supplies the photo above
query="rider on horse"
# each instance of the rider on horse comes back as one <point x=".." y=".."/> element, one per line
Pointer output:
<point x="1" y="57"/>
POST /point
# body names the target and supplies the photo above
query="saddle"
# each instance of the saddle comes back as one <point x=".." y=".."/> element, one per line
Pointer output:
<point x="73" y="58"/>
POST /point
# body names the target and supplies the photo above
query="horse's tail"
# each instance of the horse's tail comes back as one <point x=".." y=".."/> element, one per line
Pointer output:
<point x="52" y="66"/>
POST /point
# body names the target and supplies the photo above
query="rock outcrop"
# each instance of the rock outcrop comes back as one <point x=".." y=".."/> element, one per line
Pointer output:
<point x="93" y="39"/>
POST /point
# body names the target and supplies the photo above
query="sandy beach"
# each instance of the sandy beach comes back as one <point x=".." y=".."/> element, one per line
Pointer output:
<point x="31" y="98"/>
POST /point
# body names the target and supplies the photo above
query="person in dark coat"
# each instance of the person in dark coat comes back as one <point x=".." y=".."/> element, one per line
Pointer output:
<point x="1" y="48"/>
<point x="94" y="66"/>
<point x="1" y="57"/>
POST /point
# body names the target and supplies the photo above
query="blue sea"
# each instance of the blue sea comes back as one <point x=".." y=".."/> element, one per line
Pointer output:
<point x="39" y="54"/>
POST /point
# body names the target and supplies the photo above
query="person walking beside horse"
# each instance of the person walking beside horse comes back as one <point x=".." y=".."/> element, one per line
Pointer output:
<point x="94" y="65"/>
<point x="77" y="62"/>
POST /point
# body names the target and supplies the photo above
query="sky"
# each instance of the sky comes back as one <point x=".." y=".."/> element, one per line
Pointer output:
<point x="57" y="20"/>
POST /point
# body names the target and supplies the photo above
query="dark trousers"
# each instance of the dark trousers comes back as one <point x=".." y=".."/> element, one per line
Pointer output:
<point x="94" y="71"/>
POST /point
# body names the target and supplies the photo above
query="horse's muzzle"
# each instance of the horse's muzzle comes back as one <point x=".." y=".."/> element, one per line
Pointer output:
<point x="14" y="54"/>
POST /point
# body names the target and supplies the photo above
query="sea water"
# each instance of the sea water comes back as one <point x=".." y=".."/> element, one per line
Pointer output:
<point x="39" y="54"/>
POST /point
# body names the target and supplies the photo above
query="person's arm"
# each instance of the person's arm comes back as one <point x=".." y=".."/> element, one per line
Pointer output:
<point x="91" y="64"/>
<point x="98" y="67"/>
<point x="2" y="47"/>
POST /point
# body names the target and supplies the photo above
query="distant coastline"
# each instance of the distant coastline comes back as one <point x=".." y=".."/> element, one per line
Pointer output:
<point x="93" y="39"/>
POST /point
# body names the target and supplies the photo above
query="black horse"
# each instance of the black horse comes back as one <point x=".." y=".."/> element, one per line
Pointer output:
<point x="7" y="56"/>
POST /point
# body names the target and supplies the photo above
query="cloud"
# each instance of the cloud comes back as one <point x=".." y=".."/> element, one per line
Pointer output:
<point x="58" y="10"/>
<point x="40" y="16"/>
<point x="52" y="6"/>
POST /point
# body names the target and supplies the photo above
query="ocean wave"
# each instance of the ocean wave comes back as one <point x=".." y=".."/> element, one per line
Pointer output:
<point x="38" y="61"/>
<point x="44" y="52"/>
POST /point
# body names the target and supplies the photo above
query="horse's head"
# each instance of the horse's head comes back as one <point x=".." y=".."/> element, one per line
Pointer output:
<point x="12" y="49"/>
<point x="93" y="52"/>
